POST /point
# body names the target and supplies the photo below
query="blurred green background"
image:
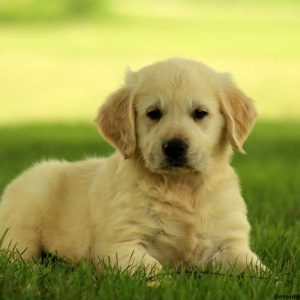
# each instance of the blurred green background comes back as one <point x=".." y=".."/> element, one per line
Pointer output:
<point x="60" y="58"/>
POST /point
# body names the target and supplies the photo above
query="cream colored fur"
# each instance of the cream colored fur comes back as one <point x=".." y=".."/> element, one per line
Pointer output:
<point x="129" y="207"/>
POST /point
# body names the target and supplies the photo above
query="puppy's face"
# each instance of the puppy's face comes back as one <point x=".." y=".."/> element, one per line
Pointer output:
<point x="178" y="118"/>
<point x="175" y="114"/>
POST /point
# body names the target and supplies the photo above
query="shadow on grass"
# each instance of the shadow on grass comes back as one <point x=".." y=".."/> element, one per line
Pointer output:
<point x="23" y="145"/>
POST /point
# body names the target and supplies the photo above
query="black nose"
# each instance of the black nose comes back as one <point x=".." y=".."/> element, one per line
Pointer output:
<point x="175" y="149"/>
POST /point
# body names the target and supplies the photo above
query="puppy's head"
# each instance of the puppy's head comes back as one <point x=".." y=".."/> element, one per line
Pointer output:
<point x="178" y="115"/>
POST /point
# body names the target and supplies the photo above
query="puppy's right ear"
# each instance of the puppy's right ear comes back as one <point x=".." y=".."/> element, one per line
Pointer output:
<point x="116" y="121"/>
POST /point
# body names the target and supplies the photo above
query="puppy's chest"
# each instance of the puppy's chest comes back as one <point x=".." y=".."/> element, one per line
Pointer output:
<point x="176" y="233"/>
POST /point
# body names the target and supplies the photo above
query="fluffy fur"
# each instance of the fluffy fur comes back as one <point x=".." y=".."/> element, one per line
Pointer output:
<point x="132" y="207"/>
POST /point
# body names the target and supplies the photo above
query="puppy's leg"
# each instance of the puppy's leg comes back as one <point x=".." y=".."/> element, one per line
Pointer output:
<point x="132" y="257"/>
<point x="19" y="221"/>
<point x="18" y="233"/>
<point x="17" y="236"/>
<point x="20" y="242"/>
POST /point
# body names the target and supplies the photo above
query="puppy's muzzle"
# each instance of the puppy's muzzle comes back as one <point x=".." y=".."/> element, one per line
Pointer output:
<point x="175" y="151"/>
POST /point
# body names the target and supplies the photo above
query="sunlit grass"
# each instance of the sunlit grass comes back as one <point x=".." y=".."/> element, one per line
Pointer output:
<point x="63" y="71"/>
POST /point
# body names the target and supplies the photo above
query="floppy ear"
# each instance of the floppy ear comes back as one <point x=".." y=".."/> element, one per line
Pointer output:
<point x="239" y="112"/>
<point x="116" y="121"/>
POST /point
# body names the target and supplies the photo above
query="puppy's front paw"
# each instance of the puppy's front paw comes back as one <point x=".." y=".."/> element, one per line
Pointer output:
<point x="136" y="260"/>
<point x="152" y="267"/>
<point x="240" y="260"/>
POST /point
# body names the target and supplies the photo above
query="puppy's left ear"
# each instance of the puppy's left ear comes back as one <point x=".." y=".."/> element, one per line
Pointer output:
<point x="239" y="112"/>
<point x="116" y="121"/>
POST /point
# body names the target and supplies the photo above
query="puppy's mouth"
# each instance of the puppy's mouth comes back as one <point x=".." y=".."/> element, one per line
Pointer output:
<point x="176" y="166"/>
<point x="173" y="167"/>
<point x="166" y="167"/>
<point x="178" y="163"/>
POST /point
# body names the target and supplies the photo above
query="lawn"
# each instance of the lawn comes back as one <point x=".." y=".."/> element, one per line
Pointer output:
<point x="270" y="179"/>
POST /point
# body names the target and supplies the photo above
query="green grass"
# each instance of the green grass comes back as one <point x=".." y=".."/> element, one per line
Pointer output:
<point x="270" y="179"/>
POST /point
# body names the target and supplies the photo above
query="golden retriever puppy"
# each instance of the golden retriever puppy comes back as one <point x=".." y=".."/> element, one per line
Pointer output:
<point x="168" y="196"/>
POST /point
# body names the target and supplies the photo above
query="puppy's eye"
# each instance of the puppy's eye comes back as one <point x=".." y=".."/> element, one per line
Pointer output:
<point x="154" y="114"/>
<point x="199" y="114"/>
